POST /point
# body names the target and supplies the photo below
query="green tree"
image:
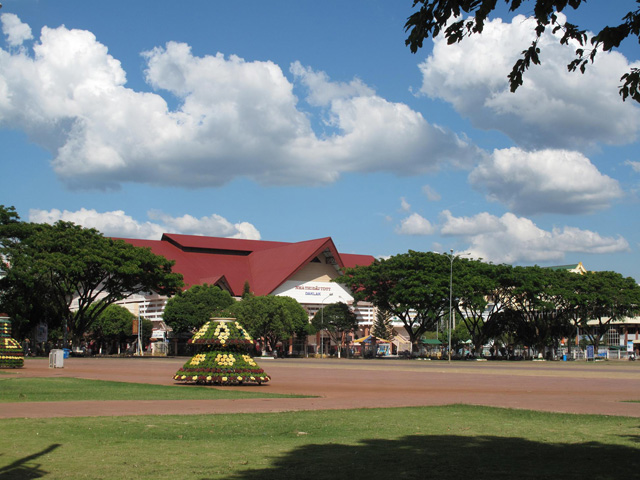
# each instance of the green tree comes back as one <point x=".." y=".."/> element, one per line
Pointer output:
<point x="192" y="308"/>
<point x="413" y="286"/>
<point x="382" y="327"/>
<point x="605" y="297"/>
<point x="534" y="313"/>
<point x="459" y="336"/>
<point x="271" y="318"/>
<point x="480" y="290"/>
<point x="28" y="303"/>
<point x="434" y="17"/>
<point x="565" y="296"/>
<point x="337" y="319"/>
<point x="8" y="215"/>
<point x="112" y="327"/>
<point x="76" y="272"/>
<point x="246" y="290"/>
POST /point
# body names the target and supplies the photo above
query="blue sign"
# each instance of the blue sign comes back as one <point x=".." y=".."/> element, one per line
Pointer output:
<point x="589" y="352"/>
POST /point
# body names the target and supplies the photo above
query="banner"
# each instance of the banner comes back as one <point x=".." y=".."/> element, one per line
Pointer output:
<point x="42" y="332"/>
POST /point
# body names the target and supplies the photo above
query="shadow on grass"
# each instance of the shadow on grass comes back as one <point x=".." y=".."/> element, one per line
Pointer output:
<point x="453" y="457"/>
<point x="23" y="469"/>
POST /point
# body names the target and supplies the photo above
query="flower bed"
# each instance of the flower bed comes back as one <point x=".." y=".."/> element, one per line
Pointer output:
<point x="11" y="354"/>
<point x="222" y="357"/>
<point x="222" y="332"/>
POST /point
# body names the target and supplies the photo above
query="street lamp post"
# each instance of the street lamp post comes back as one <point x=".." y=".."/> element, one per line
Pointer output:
<point x="322" y="325"/>
<point x="452" y="257"/>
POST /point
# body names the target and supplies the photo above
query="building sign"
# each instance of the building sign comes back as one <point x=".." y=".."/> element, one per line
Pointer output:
<point x="314" y="292"/>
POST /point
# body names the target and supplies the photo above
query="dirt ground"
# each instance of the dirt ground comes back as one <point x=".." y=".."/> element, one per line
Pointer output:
<point x="572" y="387"/>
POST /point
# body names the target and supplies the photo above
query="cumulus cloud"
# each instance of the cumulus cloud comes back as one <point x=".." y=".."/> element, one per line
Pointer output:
<point x="235" y="118"/>
<point x="553" y="108"/>
<point x="415" y="224"/>
<point x="404" y="205"/>
<point x="322" y="91"/>
<point x="512" y="239"/>
<point x="16" y="32"/>
<point x="213" y="226"/>
<point x="378" y="135"/>
<point x="469" y="226"/>
<point x="545" y="181"/>
<point x="119" y="224"/>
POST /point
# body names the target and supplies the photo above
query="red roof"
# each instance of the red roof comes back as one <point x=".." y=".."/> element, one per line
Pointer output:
<point x="228" y="261"/>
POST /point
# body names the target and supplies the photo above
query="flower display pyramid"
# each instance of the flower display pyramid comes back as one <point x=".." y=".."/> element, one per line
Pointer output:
<point x="11" y="354"/>
<point x="222" y="356"/>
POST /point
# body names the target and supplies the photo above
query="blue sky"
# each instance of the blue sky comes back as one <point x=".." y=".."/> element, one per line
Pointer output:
<point x="295" y="120"/>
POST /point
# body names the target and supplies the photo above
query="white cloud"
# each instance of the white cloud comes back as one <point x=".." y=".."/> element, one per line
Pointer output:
<point x="511" y="239"/>
<point x="482" y="223"/>
<point x="415" y="224"/>
<point x="634" y="165"/>
<point x="236" y="118"/>
<point x="545" y="181"/>
<point x="322" y="91"/>
<point x="553" y="108"/>
<point x="118" y="224"/>
<point x="16" y="32"/>
<point x="213" y="226"/>
<point x="378" y="135"/>
<point x="431" y="193"/>
<point x="404" y="205"/>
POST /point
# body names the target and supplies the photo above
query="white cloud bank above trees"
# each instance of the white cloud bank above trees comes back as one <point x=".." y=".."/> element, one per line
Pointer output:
<point x="118" y="224"/>
<point x="512" y="239"/>
<point x="553" y="108"/>
<point x="235" y="118"/>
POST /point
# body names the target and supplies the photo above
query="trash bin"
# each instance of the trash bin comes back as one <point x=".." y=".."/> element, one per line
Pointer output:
<point x="66" y="352"/>
<point x="56" y="359"/>
<point x="564" y="358"/>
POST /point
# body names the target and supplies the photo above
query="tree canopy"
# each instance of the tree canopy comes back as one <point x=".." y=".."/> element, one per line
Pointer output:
<point x="192" y="308"/>
<point x="604" y="297"/>
<point x="434" y="17"/>
<point x="336" y="319"/>
<point x="114" y="326"/>
<point x="271" y="318"/>
<point x="480" y="290"/>
<point x="70" y="273"/>
<point x="531" y="306"/>
<point x="413" y="286"/>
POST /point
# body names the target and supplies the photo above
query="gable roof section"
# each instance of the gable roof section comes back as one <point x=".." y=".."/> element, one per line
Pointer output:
<point x="272" y="267"/>
<point x="196" y="269"/>
<point x="226" y="245"/>
<point x="575" y="268"/>
<point x="230" y="263"/>
<point x="352" y="260"/>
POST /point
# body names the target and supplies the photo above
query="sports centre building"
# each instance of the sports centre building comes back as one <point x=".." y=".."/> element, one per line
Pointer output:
<point x="302" y="270"/>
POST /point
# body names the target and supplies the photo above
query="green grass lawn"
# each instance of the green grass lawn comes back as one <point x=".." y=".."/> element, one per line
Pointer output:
<point x="65" y="389"/>
<point x="453" y="442"/>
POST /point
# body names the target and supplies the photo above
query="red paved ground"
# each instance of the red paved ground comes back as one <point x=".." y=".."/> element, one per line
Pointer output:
<point x="572" y="387"/>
